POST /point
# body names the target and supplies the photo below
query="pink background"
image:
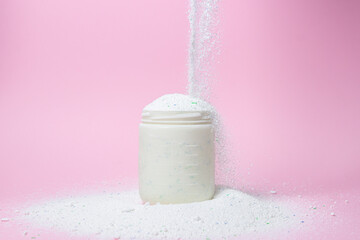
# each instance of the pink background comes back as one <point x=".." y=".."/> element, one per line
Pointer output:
<point x="75" y="75"/>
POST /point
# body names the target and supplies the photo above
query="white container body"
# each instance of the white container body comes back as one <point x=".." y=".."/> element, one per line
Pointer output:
<point x="176" y="162"/>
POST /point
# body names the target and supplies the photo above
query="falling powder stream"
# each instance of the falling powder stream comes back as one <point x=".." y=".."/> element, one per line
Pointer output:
<point x="203" y="49"/>
<point x="203" y="18"/>
<point x="192" y="49"/>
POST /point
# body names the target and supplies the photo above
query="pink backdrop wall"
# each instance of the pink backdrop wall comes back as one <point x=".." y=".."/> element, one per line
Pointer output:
<point x="75" y="75"/>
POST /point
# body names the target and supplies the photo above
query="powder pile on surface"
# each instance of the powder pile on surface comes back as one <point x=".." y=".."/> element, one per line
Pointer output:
<point x="231" y="214"/>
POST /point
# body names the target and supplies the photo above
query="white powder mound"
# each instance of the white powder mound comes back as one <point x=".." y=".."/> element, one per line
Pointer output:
<point x="231" y="214"/>
<point x="178" y="102"/>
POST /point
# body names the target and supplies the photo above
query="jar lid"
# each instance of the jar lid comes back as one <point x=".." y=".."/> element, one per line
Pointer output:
<point x="176" y="117"/>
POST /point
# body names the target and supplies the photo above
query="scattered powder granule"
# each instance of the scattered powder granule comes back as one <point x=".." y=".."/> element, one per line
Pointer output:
<point x="5" y="219"/>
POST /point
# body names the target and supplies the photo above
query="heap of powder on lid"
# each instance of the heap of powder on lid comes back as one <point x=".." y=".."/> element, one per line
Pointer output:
<point x="179" y="102"/>
<point x="122" y="216"/>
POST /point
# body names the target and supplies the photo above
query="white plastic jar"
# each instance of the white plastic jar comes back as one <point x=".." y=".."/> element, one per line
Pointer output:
<point x="176" y="156"/>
